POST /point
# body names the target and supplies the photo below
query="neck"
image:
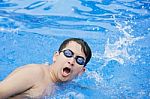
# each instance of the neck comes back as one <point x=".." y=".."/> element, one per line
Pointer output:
<point x="53" y="74"/>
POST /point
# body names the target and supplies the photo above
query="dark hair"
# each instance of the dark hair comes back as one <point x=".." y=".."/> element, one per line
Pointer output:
<point x="85" y="47"/>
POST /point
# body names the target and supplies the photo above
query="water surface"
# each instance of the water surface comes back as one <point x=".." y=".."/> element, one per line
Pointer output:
<point x="118" y="32"/>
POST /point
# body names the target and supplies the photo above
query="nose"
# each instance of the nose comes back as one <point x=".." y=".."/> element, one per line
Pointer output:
<point x="71" y="61"/>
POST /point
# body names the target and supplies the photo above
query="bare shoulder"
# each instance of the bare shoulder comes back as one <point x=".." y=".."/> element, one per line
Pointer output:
<point x="21" y="79"/>
<point x="34" y="68"/>
<point x="31" y="70"/>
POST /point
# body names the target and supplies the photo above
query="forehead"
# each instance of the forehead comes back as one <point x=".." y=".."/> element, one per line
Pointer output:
<point x="75" y="47"/>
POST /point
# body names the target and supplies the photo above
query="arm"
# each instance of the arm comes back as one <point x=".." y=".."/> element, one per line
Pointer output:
<point x="18" y="81"/>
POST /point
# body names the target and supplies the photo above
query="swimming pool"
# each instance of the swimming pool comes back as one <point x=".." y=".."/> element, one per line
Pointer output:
<point x="118" y="32"/>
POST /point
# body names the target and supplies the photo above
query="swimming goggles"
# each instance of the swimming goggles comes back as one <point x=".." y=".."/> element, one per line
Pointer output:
<point x="69" y="54"/>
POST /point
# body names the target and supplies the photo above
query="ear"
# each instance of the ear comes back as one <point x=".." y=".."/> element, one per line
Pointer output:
<point x="55" y="56"/>
<point x="82" y="71"/>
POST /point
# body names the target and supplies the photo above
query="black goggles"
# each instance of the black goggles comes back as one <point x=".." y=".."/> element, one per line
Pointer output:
<point x="79" y="59"/>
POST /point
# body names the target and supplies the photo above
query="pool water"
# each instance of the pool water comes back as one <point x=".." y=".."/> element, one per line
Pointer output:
<point x="118" y="32"/>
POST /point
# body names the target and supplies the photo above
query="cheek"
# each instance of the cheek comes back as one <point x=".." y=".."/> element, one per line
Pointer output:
<point x="60" y="60"/>
<point x="77" y="70"/>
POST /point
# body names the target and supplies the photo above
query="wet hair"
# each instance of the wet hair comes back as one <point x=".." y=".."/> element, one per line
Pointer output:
<point x="85" y="47"/>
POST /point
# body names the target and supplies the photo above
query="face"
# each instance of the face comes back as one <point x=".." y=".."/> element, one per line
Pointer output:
<point x="70" y="66"/>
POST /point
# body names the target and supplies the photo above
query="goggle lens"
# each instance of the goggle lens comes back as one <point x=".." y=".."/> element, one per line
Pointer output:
<point x="79" y="59"/>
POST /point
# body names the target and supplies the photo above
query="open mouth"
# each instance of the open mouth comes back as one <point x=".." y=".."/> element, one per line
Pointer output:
<point x="66" y="71"/>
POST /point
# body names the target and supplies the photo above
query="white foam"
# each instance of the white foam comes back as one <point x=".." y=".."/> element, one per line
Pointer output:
<point x="119" y="49"/>
<point x="75" y="95"/>
<point x="95" y="75"/>
<point x="11" y="30"/>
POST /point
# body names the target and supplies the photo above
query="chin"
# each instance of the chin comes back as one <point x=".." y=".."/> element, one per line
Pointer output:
<point x="63" y="79"/>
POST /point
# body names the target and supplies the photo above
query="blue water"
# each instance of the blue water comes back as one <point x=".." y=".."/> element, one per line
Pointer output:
<point x="118" y="32"/>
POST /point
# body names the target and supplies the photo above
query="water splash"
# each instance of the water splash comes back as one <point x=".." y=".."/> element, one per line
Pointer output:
<point x="95" y="75"/>
<point x="119" y="49"/>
